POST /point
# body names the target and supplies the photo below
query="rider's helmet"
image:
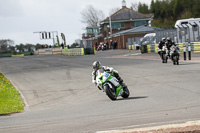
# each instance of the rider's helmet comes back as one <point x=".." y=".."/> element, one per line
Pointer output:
<point x="163" y="39"/>
<point x="168" y="39"/>
<point x="96" y="65"/>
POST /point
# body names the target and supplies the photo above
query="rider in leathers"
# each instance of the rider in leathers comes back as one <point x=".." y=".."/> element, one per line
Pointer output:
<point x="97" y="69"/>
<point x="169" y="44"/>
<point x="160" y="45"/>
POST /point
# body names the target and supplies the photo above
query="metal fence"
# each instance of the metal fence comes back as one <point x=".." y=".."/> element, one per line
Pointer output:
<point x="184" y="33"/>
<point x="181" y="34"/>
<point x="188" y="32"/>
<point x="86" y="43"/>
<point x="166" y="32"/>
<point x="132" y="42"/>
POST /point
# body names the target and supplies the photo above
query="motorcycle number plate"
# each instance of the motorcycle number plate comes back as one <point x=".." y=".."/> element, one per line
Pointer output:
<point x="106" y="75"/>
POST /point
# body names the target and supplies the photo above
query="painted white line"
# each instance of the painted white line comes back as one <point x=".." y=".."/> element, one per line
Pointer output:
<point x="135" y="129"/>
<point x="132" y="54"/>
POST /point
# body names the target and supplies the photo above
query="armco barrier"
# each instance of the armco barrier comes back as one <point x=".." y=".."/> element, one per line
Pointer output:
<point x="153" y="48"/>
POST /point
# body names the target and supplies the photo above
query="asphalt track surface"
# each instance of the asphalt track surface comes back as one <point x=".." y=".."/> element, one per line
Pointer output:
<point x="60" y="96"/>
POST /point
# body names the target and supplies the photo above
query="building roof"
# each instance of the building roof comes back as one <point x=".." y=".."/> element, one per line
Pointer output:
<point x="127" y="14"/>
<point x="139" y="29"/>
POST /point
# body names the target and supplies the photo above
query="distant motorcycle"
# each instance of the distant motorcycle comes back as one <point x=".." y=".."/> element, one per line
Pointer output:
<point x="174" y="54"/>
<point x="163" y="54"/>
<point x="98" y="47"/>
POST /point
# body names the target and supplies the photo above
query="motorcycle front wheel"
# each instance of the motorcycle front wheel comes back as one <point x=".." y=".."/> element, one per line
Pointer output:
<point x="126" y="93"/>
<point x="110" y="92"/>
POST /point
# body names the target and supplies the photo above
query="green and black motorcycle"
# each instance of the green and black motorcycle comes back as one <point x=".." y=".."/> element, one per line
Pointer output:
<point x="111" y="86"/>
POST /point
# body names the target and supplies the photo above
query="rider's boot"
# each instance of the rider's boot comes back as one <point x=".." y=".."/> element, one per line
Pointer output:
<point x="120" y="79"/>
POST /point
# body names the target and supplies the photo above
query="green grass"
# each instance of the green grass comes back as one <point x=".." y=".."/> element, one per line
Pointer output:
<point x="10" y="100"/>
<point x="10" y="54"/>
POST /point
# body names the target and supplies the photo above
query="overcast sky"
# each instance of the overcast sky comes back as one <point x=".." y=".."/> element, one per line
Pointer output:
<point x="20" y="18"/>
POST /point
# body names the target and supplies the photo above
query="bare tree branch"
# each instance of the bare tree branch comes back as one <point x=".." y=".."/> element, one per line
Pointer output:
<point x="114" y="10"/>
<point x="91" y="16"/>
<point x="134" y="6"/>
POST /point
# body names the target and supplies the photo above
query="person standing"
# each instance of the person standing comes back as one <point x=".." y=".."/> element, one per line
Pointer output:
<point x="115" y="45"/>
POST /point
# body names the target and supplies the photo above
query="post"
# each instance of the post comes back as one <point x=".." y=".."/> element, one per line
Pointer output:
<point x="193" y="32"/>
<point x="184" y="51"/>
<point x="189" y="51"/>
<point x="110" y="25"/>
<point x="198" y="31"/>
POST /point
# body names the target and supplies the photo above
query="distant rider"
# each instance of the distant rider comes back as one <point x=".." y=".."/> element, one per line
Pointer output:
<point x="169" y="44"/>
<point x="160" y="45"/>
<point x="97" y="69"/>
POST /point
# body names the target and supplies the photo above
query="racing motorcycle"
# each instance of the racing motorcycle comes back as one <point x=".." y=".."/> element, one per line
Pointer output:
<point x="163" y="54"/>
<point x="111" y="86"/>
<point x="174" y="54"/>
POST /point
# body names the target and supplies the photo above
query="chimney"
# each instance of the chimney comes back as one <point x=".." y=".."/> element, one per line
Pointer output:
<point x="123" y="4"/>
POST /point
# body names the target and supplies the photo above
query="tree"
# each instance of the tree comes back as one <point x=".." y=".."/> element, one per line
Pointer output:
<point x="37" y="46"/>
<point x="152" y="7"/>
<point x="114" y="10"/>
<point x="143" y="8"/>
<point x="74" y="45"/>
<point x="91" y="16"/>
<point x="4" y="44"/>
<point x="20" y="47"/>
<point x="29" y="47"/>
<point x="134" y="6"/>
<point x="177" y="9"/>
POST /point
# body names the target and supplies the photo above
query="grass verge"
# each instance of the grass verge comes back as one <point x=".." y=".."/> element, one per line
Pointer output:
<point x="10" y="100"/>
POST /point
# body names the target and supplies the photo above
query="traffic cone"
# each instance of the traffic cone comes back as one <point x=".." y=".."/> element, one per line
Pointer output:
<point x="139" y="50"/>
<point x="129" y="51"/>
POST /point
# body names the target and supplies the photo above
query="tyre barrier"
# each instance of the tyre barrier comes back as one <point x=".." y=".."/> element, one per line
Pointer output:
<point x="153" y="48"/>
<point x="69" y="52"/>
<point x="75" y="51"/>
<point x="19" y="55"/>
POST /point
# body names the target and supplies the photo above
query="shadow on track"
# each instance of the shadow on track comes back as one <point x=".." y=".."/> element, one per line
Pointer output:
<point x="190" y="63"/>
<point x="132" y="98"/>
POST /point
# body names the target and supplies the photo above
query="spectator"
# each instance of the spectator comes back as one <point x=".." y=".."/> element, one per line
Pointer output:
<point x="112" y="44"/>
<point x="96" y="45"/>
<point x="62" y="46"/>
<point x="115" y="45"/>
<point x="107" y="45"/>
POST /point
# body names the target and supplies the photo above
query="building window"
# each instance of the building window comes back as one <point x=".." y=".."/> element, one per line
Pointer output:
<point x="122" y="25"/>
<point x="133" y="24"/>
<point x="116" y="25"/>
<point x="138" y="23"/>
<point x="90" y="30"/>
